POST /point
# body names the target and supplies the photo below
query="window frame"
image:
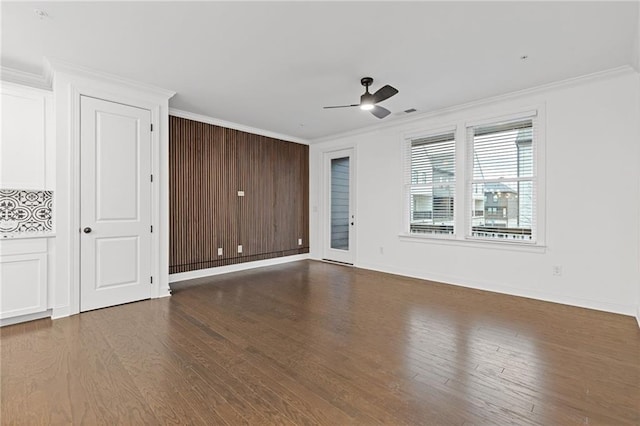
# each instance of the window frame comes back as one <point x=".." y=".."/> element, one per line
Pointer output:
<point x="471" y="180"/>
<point x="464" y="173"/>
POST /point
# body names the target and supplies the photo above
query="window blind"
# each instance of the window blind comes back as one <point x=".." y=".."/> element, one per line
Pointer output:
<point x="502" y="189"/>
<point x="430" y="183"/>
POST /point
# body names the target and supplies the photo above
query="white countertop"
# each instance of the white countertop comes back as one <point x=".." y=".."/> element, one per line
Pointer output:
<point x="25" y="235"/>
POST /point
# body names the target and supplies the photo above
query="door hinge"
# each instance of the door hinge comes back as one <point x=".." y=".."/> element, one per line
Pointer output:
<point x="151" y="281"/>
<point x="151" y="178"/>
<point x="152" y="127"/>
<point x="151" y="228"/>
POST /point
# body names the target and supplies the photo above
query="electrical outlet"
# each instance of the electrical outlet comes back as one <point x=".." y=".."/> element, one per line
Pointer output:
<point x="557" y="270"/>
<point x="219" y="251"/>
<point x="239" y="249"/>
<point x="240" y="193"/>
<point x="299" y="241"/>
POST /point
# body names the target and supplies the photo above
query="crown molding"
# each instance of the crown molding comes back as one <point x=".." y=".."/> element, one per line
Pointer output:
<point x="53" y="66"/>
<point x="570" y="82"/>
<point x="11" y="75"/>
<point x="231" y="125"/>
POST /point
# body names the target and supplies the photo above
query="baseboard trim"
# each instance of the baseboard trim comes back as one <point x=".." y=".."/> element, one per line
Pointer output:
<point x="638" y="315"/>
<point x="25" y="318"/>
<point x="614" y="308"/>
<point x="201" y="273"/>
<point x="60" y="312"/>
<point x="165" y="293"/>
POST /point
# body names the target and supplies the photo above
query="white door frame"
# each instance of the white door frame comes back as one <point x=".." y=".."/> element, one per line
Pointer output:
<point x="69" y="84"/>
<point x="327" y="251"/>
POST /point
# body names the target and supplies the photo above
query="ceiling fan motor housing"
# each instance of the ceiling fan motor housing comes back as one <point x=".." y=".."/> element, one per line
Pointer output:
<point x="366" y="98"/>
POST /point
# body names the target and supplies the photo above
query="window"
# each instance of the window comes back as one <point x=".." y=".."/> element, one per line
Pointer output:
<point x="503" y="184"/>
<point x="431" y="184"/>
<point x="495" y="197"/>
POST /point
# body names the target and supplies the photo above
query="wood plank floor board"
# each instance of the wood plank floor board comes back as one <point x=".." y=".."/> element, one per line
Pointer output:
<point x="527" y="405"/>
<point x="314" y="343"/>
<point x="280" y="351"/>
<point x="345" y="373"/>
<point x="211" y="384"/>
<point x="262" y="398"/>
<point x="319" y="411"/>
<point x="450" y="416"/>
<point x="157" y="370"/>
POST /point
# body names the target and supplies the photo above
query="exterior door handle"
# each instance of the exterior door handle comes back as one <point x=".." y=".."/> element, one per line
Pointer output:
<point x="86" y="230"/>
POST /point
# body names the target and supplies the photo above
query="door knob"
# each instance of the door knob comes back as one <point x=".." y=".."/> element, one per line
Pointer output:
<point x="86" y="230"/>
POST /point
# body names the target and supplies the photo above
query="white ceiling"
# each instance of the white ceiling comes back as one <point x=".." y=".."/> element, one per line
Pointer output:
<point x="273" y="65"/>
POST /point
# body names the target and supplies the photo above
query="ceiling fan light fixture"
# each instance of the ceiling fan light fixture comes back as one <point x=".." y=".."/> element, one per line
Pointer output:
<point x="366" y="101"/>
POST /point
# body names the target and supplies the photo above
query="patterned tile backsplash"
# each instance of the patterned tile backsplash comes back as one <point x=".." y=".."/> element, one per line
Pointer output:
<point x="25" y="210"/>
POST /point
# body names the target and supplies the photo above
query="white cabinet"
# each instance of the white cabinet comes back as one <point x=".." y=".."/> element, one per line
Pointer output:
<point x="26" y="142"/>
<point x="23" y="279"/>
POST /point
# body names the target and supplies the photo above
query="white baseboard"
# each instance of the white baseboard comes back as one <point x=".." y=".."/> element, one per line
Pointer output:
<point x="638" y="315"/>
<point x="201" y="273"/>
<point x="60" y="312"/>
<point x="615" y="308"/>
<point x="25" y="318"/>
<point x="165" y="293"/>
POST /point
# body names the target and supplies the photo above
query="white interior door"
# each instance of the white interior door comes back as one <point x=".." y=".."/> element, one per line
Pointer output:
<point x="115" y="203"/>
<point x="340" y="213"/>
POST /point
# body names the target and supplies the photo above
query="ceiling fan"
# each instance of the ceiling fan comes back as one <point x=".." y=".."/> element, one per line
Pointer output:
<point x="368" y="101"/>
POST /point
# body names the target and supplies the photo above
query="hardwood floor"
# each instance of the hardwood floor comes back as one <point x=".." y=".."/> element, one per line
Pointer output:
<point x="316" y="343"/>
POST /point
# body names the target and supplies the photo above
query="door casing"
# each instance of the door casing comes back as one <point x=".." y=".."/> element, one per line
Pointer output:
<point x="69" y="83"/>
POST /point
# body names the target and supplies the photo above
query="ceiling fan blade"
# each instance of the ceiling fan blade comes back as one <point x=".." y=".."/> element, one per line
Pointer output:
<point x="384" y="93"/>
<point x="342" y="106"/>
<point x="380" y="112"/>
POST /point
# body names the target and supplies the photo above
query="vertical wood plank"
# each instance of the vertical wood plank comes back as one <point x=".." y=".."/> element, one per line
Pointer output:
<point x="208" y="166"/>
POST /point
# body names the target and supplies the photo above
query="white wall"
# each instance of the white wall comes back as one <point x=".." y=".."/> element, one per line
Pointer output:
<point x="592" y="149"/>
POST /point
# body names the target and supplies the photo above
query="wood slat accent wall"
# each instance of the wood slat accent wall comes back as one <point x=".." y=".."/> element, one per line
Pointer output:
<point x="208" y="166"/>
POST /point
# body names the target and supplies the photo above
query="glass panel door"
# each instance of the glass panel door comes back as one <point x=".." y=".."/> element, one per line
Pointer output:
<point x="339" y="209"/>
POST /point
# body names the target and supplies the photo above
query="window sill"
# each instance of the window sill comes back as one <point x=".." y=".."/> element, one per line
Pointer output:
<point x="495" y="245"/>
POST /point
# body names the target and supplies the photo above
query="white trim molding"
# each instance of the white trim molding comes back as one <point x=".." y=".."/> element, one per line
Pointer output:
<point x="11" y="75"/>
<point x="231" y="125"/>
<point x="25" y="318"/>
<point x="209" y="272"/>
<point x="69" y="84"/>
<point x="55" y="66"/>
